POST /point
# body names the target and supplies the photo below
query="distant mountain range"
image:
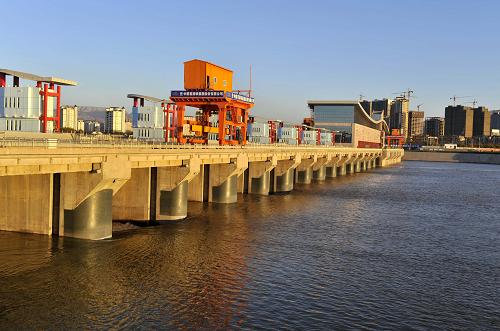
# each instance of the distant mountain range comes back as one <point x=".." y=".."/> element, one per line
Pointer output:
<point x="91" y="113"/>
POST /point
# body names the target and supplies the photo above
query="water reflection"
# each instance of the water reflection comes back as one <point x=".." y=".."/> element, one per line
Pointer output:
<point x="384" y="249"/>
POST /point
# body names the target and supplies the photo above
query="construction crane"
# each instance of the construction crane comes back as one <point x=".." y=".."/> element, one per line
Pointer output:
<point x="406" y="94"/>
<point x="474" y="103"/>
<point x="418" y="106"/>
<point x="454" y="98"/>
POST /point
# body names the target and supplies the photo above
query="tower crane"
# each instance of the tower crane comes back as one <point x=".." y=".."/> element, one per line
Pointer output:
<point x="406" y="94"/>
<point x="454" y="98"/>
<point x="418" y="106"/>
<point x="474" y="103"/>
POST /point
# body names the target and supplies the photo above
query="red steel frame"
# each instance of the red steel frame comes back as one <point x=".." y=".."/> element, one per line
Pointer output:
<point x="169" y="111"/>
<point x="50" y="90"/>
<point x="272" y="132"/>
<point x="233" y="118"/>
<point x="300" y="129"/>
<point x="399" y="140"/>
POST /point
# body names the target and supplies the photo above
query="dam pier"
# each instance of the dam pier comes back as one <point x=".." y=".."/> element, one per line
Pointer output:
<point x="77" y="190"/>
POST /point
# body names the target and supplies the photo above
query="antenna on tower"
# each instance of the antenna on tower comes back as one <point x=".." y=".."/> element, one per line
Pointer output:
<point x="250" y="90"/>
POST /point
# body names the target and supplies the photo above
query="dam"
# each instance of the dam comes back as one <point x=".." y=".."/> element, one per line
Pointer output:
<point x="78" y="190"/>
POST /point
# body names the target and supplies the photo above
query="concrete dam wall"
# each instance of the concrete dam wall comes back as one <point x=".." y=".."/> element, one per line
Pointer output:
<point x="462" y="157"/>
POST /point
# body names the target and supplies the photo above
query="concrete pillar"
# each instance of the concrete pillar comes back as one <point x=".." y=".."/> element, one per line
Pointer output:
<point x="342" y="170"/>
<point x="26" y="202"/>
<point x="198" y="186"/>
<point x="259" y="179"/>
<point x="331" y="172"/>
<point x="284" y="183"/>
<point x="243" y="182"/>
<point x="172" y="190"/>
<point x="304" y="171"/>
<point x="86" y="199"/>
<point x="133" y="201"/>
<point x="390" y="156"/>
<point x="227" y="191"/>
<point x="357" y="166"/>
<point x="173" y="203"/>
<point x="319" y="168"/>
<point x="363" y="165"/>
<point x="304" y="176"/>
<point x="284" y="174"/>
<point x="92" y="218"/>
<point x="369" y="164"/>
<point x="320" y="173"/>
<point x="260" y="185"/>
<point x="351" y="167"/>
<point x="223" y="180"/>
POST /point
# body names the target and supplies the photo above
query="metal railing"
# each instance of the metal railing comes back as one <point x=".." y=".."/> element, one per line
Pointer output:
<point x="91" y="142"/>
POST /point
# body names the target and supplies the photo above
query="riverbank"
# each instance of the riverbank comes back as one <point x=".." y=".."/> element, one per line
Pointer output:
<point x="461" y="157"/>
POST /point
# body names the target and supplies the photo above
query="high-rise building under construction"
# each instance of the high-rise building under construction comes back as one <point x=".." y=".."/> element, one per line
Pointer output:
<point x="458" y="121"/>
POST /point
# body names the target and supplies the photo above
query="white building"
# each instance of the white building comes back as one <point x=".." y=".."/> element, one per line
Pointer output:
<point x="148" y="119"/>
<point x="310" y="137"/>
<point x="22" y="107"/>
<point x="80" y="126"/>
<point x="259" y="133"/>
<point x="288" y="135"/>
<point x="115" y="120"/>
<point x="69" y="117"/>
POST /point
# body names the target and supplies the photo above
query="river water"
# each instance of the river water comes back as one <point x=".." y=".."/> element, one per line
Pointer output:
<point x="413" y="246"/>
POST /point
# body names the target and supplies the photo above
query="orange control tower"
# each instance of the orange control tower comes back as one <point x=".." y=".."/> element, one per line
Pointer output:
<point x="209" y="88"/>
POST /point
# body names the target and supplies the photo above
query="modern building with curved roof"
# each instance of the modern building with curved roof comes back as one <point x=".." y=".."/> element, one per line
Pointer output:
<point x="349" y="117"/>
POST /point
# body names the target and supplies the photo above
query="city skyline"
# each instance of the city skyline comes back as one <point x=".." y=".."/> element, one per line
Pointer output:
<point x="323" y="51"/>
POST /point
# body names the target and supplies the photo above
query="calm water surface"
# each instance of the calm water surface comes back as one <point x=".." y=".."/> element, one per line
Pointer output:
<point x="415" y="246"/>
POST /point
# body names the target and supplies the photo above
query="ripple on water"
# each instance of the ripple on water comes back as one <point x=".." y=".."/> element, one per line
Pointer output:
<point x="407" y="247"/>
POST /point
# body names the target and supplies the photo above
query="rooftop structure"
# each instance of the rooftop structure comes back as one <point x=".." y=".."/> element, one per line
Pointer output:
<point x="33" y="77"/>
<point x="203" y="75"/>
<point x="30" y="109"/>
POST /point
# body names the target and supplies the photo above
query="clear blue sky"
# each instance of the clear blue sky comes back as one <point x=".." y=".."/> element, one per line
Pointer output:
<point x="299" y="50"/>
